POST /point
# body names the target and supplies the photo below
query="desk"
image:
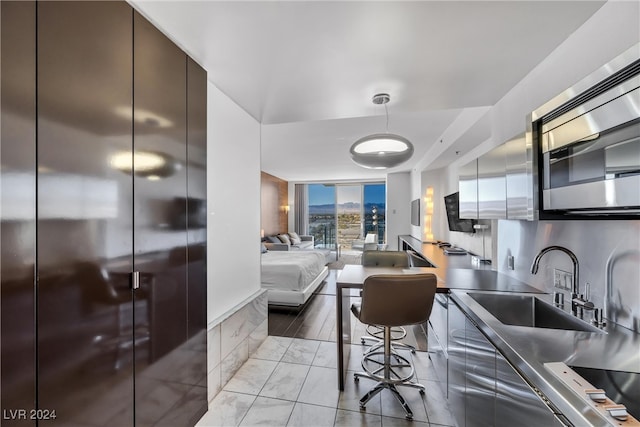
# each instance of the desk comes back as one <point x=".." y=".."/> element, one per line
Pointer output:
<point x="353" y="277"/>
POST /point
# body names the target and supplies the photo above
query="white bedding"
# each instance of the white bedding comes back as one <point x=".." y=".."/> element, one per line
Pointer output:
<point x="291" y="270"/>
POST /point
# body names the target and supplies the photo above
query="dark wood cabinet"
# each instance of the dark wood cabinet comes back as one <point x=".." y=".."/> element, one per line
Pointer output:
<point x="18" y="209"/>
<point x="196" y="204"/>
<point x="84" y="217"/>
<point x="160" y="135"/>
<point x="104" y="144"/>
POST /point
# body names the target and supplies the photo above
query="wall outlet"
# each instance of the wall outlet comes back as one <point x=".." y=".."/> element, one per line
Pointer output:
<point x="562" y="279"/>
<point x="511" y="262"/>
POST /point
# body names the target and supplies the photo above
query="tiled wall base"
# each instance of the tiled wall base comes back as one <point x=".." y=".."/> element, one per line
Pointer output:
<point x="234" y="337"/>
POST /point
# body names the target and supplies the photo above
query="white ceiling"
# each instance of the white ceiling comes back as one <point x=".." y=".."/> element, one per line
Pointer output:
<point x="307" y="69"/>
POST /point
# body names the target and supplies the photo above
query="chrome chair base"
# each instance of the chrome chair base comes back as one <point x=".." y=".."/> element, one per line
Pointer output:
<point x="393" y="388"/>
<point x="388" y="377"/>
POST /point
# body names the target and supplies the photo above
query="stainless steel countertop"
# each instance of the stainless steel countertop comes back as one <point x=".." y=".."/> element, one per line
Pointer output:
<point x="459" y="272"/>
<point x="483" y="280"/>
<point x="527" y="349"/>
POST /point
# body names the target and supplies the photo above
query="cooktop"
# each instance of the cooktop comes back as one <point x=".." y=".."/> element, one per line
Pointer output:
<point x="621" y="387"/>
<point x="613" y="394"/>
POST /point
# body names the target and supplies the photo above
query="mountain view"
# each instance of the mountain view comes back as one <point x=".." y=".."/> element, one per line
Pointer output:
<point x="349" y="207"/>
<point x="322" y="223"/>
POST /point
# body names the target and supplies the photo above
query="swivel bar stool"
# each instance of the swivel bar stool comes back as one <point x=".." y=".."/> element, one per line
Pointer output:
<point x="385" y="259"/>
<point x="388" y="301"/>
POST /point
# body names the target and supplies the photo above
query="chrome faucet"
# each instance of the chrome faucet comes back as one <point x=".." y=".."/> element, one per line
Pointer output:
<point x="577" y="300"/>
<point x="612" y="309"/>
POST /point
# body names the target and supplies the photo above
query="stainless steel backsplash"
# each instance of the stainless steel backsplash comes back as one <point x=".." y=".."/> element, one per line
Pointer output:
<point x="607" y="251"/>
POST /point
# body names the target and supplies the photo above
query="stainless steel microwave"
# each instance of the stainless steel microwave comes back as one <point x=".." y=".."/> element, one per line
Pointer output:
<point x="590" y="149"/>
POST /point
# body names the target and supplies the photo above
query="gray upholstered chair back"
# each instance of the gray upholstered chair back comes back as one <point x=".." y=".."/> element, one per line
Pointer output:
<point x="385" y="259"/>
<point x="397" y="299"/>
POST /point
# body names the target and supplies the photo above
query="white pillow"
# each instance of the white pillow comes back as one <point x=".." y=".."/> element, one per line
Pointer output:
<point x="295" y="239"/>
<point x="284" y="238"/>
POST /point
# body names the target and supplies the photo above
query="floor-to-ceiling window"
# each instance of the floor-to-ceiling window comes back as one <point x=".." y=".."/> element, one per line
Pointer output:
<point x="374" y="205"/>
<point x="343" y="213"/>
<point x="322" y="214"/>
<point x="349" y="214"/>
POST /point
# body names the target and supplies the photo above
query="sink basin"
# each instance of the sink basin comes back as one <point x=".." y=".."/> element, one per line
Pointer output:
<point x="527" y="310"/>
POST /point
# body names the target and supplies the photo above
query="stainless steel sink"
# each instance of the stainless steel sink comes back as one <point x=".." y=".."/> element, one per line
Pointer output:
<point x="527" y="310"/>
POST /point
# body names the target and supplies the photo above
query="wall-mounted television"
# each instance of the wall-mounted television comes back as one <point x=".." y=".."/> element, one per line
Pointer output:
<point x="415" y="212"/>
<point x="452" y="205"/>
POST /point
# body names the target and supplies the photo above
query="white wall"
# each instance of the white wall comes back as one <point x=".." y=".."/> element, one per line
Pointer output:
<point x="398" y="208"/>
<point x="437" y="180"/>
<point x="613" y="29"/>
<point x="233" y="193"/>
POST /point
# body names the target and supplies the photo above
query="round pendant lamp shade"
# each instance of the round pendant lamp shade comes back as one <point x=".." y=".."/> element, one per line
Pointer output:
<point x="381" y="150"/>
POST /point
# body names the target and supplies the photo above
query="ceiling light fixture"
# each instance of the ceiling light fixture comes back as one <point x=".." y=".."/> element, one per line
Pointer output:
<point x="381" y="150"/>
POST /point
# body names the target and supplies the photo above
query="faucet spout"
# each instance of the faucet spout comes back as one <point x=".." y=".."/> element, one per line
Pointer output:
<point x="574" y="259"/>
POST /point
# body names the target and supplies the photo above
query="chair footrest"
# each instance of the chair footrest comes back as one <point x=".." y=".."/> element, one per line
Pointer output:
<point x="385" y="370"/>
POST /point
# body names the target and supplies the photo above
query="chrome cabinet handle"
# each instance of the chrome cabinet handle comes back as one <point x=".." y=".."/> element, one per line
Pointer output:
<point x="135" y="280"/>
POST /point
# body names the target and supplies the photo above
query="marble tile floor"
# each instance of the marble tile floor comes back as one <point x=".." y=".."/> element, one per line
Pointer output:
<point x="293" y="382"/>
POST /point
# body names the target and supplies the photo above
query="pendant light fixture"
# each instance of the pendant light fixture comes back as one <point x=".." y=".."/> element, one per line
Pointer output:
<point x="381" y="150"/>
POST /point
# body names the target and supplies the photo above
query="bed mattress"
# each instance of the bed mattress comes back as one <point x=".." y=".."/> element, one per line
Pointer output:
<point x="291" y="270"/>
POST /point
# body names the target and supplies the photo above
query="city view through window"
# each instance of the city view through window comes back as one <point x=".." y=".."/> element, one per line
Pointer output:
<point x="357" y="209"/>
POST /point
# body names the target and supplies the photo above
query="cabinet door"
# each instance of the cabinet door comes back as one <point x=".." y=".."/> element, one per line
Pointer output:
<point x="516" y="403"/>
<point x="18" y="212"/>
<point x="196" y="200"/>
<point x="492" y="187"/>
<point x="196" y="242"/>
<point x="84" y="234"/>
<point x="519" y="178"/>
<point x="456" y="351"/>
<point x="165" y="375"/>
<point x="480" y="369"/>
<point x="468" y="188"/>
<point x="438" y="335"/>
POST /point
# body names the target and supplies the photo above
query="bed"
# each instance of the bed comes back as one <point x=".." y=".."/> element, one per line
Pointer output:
<point x="291" y="277"/>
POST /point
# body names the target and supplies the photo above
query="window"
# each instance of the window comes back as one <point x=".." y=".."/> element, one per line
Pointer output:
<point x="342" y="213"/>
<point x="375" y="210"/>
<point x="322" y="214"/>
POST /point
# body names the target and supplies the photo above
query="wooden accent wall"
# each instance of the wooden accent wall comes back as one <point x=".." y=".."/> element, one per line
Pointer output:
<point x="274" y="197"/>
